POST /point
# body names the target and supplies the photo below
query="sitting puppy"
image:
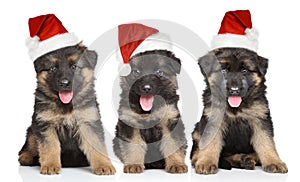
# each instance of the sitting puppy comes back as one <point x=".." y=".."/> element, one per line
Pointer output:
<point x="236" y="128"/>
<point x="66" y="129"/>
<point x="150" y="132"/>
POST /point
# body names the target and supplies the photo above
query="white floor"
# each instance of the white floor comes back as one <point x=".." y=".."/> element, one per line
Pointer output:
<point x="31" y="174"/>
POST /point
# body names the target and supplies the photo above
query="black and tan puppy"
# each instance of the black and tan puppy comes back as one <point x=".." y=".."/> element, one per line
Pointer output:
<point x="150" y="132"/>
<point x="66" y="129"/>
<point x="236" y="129"/>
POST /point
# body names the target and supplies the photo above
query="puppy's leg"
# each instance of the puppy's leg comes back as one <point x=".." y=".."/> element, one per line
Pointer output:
<point x="49" y="151"/>
<point x="29" y="152"/>
<point x="173" y="146"/>
<point x="205" y="160"/>
<point x="243" y="161"/>
<point x="92" y="144"/>
<point x="133" y="152"/>
<point x="264" y="146"/>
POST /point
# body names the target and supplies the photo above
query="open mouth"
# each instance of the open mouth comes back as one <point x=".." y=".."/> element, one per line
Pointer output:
<point x="65" y="96"/>
<point x="146" y="102"/>
<point x="234" y="101"/>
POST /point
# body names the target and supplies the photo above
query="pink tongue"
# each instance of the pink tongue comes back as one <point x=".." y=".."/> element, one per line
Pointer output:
<point x="65" y="96"/>
<point x="146" y="102"/>
<point x="234" y="101"/>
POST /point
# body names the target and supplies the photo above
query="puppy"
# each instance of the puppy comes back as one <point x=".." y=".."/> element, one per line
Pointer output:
<point x="236" y="128"/>
<point x="66" y="129"/>
<point x="150" y="132"/>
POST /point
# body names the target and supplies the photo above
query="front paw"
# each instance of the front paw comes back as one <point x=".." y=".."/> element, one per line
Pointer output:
<point x="177" y="168"/>
<point x="206" y="167"/>
<point x="133" y="168"/>
<point x="279" y="167"/>
<point x="50" y="169"/>
<point x="107" y="169"/>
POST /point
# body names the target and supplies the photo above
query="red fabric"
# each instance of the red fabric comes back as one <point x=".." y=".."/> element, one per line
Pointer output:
<point x="236" y="22"/>
<point x="131" y="36"/>
<point x="45" y="26"/>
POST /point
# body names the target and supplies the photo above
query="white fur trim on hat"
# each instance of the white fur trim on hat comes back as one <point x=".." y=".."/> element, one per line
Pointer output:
<point x="38" y="48"/>
<point x="248" y="41"/>
<point x="157" y="41"/>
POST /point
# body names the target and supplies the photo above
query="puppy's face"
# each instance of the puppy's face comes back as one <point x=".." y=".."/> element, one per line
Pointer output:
<point x="152" y="80"/>
<point x="235" y="73"/>
<point x="63" y="74"/>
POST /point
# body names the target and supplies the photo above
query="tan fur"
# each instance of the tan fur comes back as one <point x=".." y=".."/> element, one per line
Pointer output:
<point x="27" y="156"/>
<point x="88" y="74"/>
<point x="249" y="63"/>
<point x="170" y="148"/>
<point x="135" y="149"/>
<point x="264" y="146"/>
<point x="257" y="79"/>
<point x="41" y="77"/>
<point x="257" y="110"/>
<point x="206" y="160"/>
<point x="73" y="57"/>
<point x="49" y="152"/>
<point x="52" y="58"/>
<point x="175" y="163"/>
<point x="94" y="149"/>
<point x="196" y="136"/>
<point x="162" y="115"/>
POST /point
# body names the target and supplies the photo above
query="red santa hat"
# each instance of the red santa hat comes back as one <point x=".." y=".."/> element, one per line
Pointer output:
<point x="136" y="38"/>
<point x="236" y="31"/>
<point x="47" y="34"/>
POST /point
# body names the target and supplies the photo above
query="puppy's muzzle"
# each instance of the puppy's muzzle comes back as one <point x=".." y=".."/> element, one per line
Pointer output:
<point x="64" y="84"/>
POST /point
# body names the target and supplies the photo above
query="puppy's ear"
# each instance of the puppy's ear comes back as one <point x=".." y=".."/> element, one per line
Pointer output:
<point x="208" y="63"/>
<point x="176" y="65"/>
<point x="91" y="57"/>
<point x="39" y="64"/>
<point x="81" y="47"/>
<point x="262" y="64"/>
<point x="175" y="62"/>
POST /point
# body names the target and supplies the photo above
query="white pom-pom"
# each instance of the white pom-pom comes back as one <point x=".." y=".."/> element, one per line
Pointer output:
<point x="252" y="34"/>
<point x="32" y="42"/>
<point x="124" y="69"/>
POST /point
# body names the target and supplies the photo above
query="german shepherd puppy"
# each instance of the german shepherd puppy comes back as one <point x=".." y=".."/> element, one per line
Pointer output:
<point x="66" y="129"/>
<point x="236" y="128"/>
<point x="150" y="132"/>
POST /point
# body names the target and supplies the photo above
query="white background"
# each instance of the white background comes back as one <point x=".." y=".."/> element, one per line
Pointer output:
<point x="277" y="22"/>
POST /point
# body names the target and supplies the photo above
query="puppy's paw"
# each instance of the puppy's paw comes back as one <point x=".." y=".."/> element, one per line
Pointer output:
<point x="25" y="159"/>
<point x="279" y="167"/>
<point x="206" y="167"/>
<point x="133" y="168"/>
<point x="248" y="162"/>
<point x="50" y="169"/>
<point x="108" y="169"/>
<point x="177" y="168"/>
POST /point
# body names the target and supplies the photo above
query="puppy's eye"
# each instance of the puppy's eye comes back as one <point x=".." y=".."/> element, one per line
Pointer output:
<point x="53" y="69"/>
<point x="159" y="73"/>
<point x="136" y="72"/>
<point x="74" y="67"/>
<point x="244" y="70"/>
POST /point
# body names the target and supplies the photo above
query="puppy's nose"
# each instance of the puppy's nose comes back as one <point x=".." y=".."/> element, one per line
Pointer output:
<point x="64" y="83"/>
<point x="147" y="88"/>
<point x="234" y="91"/>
